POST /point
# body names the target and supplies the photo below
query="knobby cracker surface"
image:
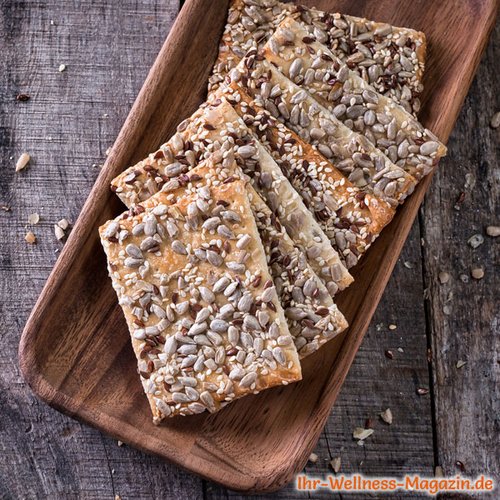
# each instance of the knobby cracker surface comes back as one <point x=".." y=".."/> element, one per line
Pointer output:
<point x="314" y="68"/>
<point x="205" y="321"/>
<point x="350" y="151"/>
<point x="312" y="317"/>
<point x="216" y="127"/>
<point x="350" y="218"/>
<point x="390" y="58"/>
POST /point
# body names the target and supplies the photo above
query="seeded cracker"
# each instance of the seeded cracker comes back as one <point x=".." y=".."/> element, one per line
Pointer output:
<point x="182" y="312"/>
<point x="351" y="219"/>
<point x="312" y="317"/>
<point x="389" y="58"/>
<point x="349" y="151"/>
<point x="313" y="67"/>
<point x="217" y="127"/>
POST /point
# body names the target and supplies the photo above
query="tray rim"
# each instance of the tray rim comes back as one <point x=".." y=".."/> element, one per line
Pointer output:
<point x="348" y="350"/>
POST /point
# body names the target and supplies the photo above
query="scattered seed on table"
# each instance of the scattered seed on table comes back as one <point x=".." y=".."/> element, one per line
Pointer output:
<point x="30" y="238"/>
<point x="389" y="354"/>
<point x="477" y="273"/>
<point x="470" y="181"/>
<point x="335" y="464"/>
<point x="5" y="208"/>
<point x="361" y="433"/>
<point x="493" y="231"/>
<point x="22" y="161"/>
<point x="33" y="218"/>
<point x="392" y="326"/>
<point x="63" y="224"/>
<point x="461" y="363"/>
<point x="23" y="97"/>
<point x="60" y="234"/>
<point x="464" y="278"/>
<point x="62" y="67"/>
<point x="438" y="471"/>
<point x="475" y="241"/>
<point x="313" y="458"/>
<point x="386" y="416"/>
<point x="422" y="391"/>
<point x="444" y="277"/>
<point x="495" y="120"/>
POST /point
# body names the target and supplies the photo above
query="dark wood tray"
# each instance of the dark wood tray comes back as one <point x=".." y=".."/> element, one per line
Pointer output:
<point x="75" y="351"/>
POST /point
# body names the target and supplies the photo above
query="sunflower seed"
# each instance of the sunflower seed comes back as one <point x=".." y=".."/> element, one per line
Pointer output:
<point x="133" y="251"/>
<point x="221" y="284"/>
<point x="428" y="148"/>
<point x="178" y="247"/>
<point x="170" y="346"/>
<point x="279" y="355"/>
<point x="495" y="120"/>
<point x="172" y="229"/>
<point x="251" y="323"/>
<point x="188" y="381"/>
<point x="214" y="337"/>
<point x="192" y="393"/>
<point x="211" y="223"/>
<point x="294" y="313"/>
<point x="206" y="294"/>
<point x="202" y="315"/>
<point x="219" y="325"/>
<point x="132" y="262"/>
<point x="207" y="399"/>
<point x="224" y="231"/>
<point x="163" y="407"/>
<point x="245" y="303"/>
<point x="149" y="225"/>
<point x="189" y="361"/>
<point x="236" y="373"/>
<point x="268" y="294"/>
<point x="248" y="379"/>
<point x="230" y="216"/>
<point x="186" y="349"/>
<point x="236" y="267"/>
<point x="111" y="230"/>
<point x="198" y="328"/>
<point x="214" y="258"/>
<point x="295" y="68"/>
<point x="233" y="335"/>
<point x="179" y="397"/>
<point x="22" y="161"/>
<point x="243" y="241"/>
<point x="247" y="151"/>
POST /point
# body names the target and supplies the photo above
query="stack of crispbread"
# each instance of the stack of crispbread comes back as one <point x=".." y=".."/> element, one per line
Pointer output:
<point x="242" y="227"/>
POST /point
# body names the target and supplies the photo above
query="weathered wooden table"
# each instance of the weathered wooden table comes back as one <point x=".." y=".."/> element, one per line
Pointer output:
<point x="433" y="318"/>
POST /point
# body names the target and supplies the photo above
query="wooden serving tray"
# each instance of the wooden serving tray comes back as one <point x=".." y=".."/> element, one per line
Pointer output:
<point x="75" y="351"/>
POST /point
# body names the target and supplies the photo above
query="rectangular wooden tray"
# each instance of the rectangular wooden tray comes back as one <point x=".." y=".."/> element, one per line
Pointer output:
<point x="75" y="351"/>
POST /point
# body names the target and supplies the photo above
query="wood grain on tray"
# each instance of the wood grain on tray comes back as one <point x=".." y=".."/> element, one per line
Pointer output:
<point x="244" y="447"/>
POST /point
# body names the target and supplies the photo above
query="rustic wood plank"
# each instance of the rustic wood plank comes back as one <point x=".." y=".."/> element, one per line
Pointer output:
<point x="67" y="125"/>
<point x="64" y="458"/>
<point x="89" y="374"/>
<point x="463" y="316"/>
